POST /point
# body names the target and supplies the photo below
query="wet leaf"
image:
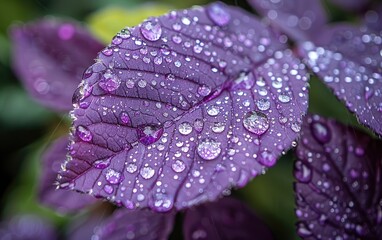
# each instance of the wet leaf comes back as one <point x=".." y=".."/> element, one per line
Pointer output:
<point x="61" y="200"/>
<point x="349" y="61"/>
<point x="27" y="226"/>
<point x="50" y="56"/>
<point x="338" y="188"/>
<point x="226" y="219"/>
<point x="300" y="19"/>
<point x="183" y="107"/>
<point x="136" y="224"/>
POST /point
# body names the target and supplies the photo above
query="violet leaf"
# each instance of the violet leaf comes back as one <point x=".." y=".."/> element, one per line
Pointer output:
<point x="61" y="200"/>
<point x="300" y="19"/>
<point x="225" y="219"/>
<point x="27" y="227"/>
<point x="136" y="224"/>
<point x="50" y="56"/>
<point x="183" y="107"/>
<point x="349" y="61"/>
<point x="338" y="182"/>
<point x="373" y="18"/>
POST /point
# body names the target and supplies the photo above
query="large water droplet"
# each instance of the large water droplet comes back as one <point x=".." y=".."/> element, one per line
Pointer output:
<point x="161" y="202"/>
<point x="204" y="90"/>
<point x="256" y="122"/>
<point x="131" y="168"/>
<point x="263" y="104"/>
<point x="209" y="149"/>
<point x="125" y="118"/>
<point x="108" y="189"/>
<point x="147" y="172"/>
<point x="185" y="128"/>
<point x="178" y="166"/>
<point x="219" y="14"/>
<point x="267" y="158"/>
<point x="320" y="132"/>
<point x="213" y="110"/>
<point x="218" y="127"/>
<point x="84" y="133"/>
<point x="302" y="172"/>
<point x="151" y="30"/>
<point x="109" y="82"/>
<point x="198" y="125"/>
<point x="102" y="164"/>
<point x="113" y="176"/>
<point x="149" y="134"/>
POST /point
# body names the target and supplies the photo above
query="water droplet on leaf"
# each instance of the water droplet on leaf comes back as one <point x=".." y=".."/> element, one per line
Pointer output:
<point x="218" y="14"/>
<point x="84" y="133"/>
<point x="149" y="134"/>
<point x="151" y="30"/>
<point x="256" y="122"/>
<point x="208" y="149"/>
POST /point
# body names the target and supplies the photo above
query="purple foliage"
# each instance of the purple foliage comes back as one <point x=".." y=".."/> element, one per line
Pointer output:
<point x="50" y="56"/>
<point x="61" y="200"/>
<point x="373" y="18"/>
<point x="300" y="19"/>
<point x="348" y="59"/>
<point x="226" y="219"/>
<point x="27" y="227"/>
<point x="183" y="107"/>
<point x="339" y="189"/>
<point x="136" y="224"/>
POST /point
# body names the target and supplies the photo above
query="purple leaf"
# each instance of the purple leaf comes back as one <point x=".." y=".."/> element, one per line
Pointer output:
<point x="61" y="200"/>
<point x="183" y="107"/>
<point x="85" y="226"/>
<point x="50" y="56"/>
<point x="27" y="227"/>
<point x="136" y="224"/>
<point x="353" y="5"/>
<point x="300" y="19"/>
<point x="339" y="190"/>
<point x="349" y="61"/>
<point x="226" y="219"/>
<point x="373" y="18"/>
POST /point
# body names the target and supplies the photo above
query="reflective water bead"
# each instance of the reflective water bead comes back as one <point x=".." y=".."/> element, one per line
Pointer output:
<point x="113" y="176"/>
<point x="267" y="158"/>
<point x="320" y="132"/>
<point x="219" y="14"/>
<point x="178" y="166"/>
<point x="244" y="81"/>
<point x="256" y="122"/>
<point x="208" y="149"/>
<point x="213" y="110"/>
<point x="302" y="172"/>
<point x="161" y="202"/>
<point x="131" y="168"/>
<point x="149" y="134"/>
<point x="204" y="90"/>
<point x="263" y="104"/>
<point x="102" y="164"/>
<point x="125" y="117"/>
<point x="185" y="128"/>
<point x="198" y="125"/>
<point x="147" y="172"/>
<point x="108" y="189"/>
<point x="109" y="82"/>
<point x="151" y="30"/>
<point x="218" y="127"/>
<point x="84" y="133"/>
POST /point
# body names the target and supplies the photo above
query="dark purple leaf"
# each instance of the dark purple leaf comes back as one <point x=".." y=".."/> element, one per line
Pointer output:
<point x="349" y="61"/>
<point x="85" y="226"/>
<point x="339" y="189"/>
<point x="136" y="224"/>
<point x="50" y="56"/>
<point x="353" y="5"/>
<point x="226" y="219"/>
<point x="27" y="227"/>
<point x="59" y="199"/>
<point x="183" y="107"/>
<point x="300" y="19"/>
<point x="373" y="18"/>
